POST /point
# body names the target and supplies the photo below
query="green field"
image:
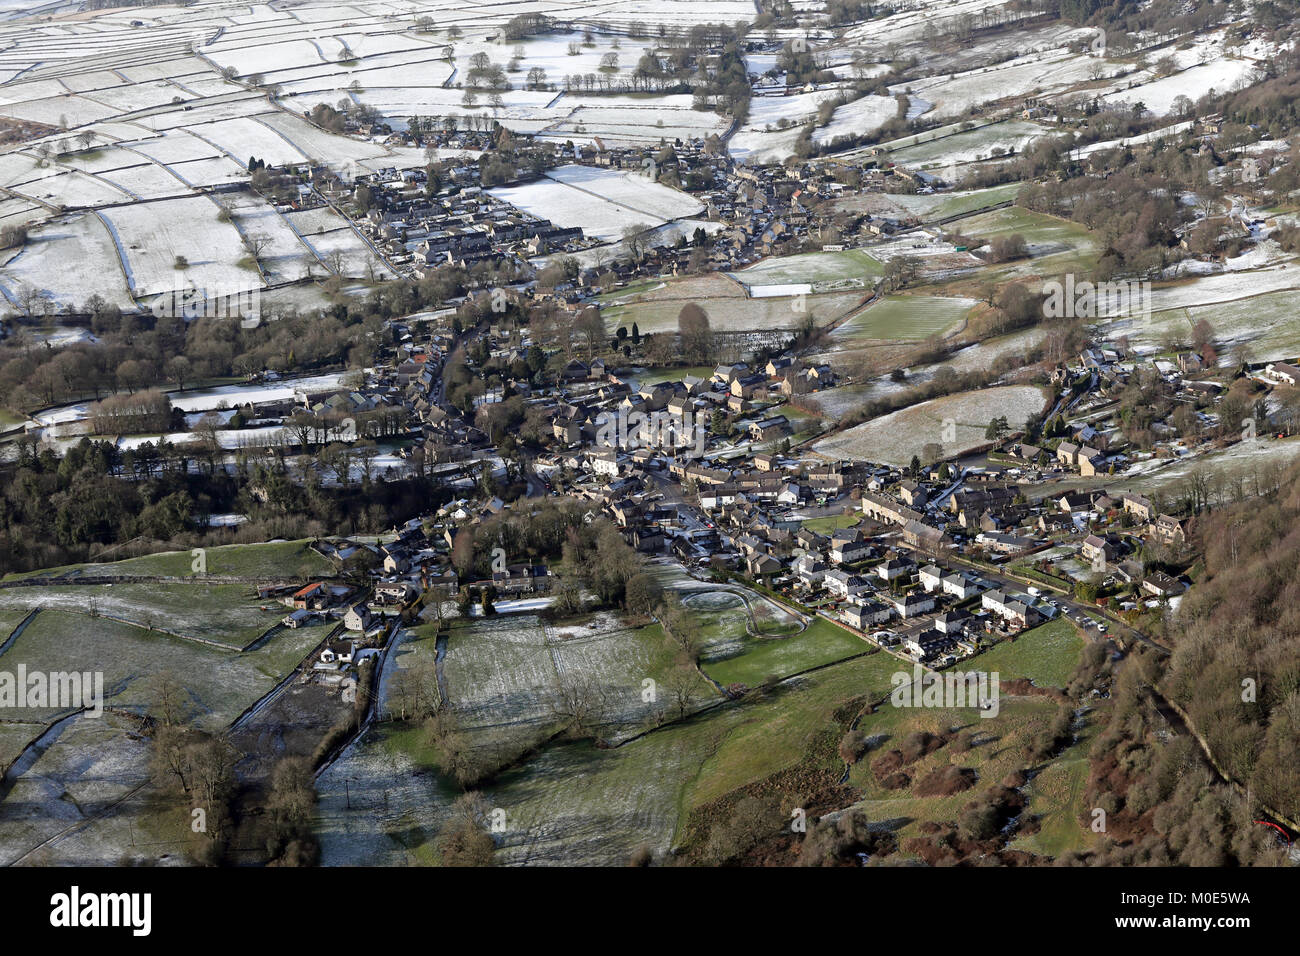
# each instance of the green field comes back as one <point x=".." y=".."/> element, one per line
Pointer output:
<point x="674" y="374"/>
<point x="820" y="643"/>
<point x="274" y="560"/>
<point x="506" y="676"/>
<point x="86" y="785"/>
<point x="577" y="805"/>
<point x="220" y="683"/>
<point x="734" y="313"/>
<point x="571" y="802"/>
<point x="1055" y="245"/>
<point x="775" y="733"/>
<point x="1046" y="655"/>
<point x="904" y="318"/>
<point x="10" y="617"/>
<point x="833" y="522"/>
<point x="574" y="803"/>
<point x="814" y="268"/>
<point x="630" y="290"/>
<point x="1036" y="227"/>
<point x="972" y="145"/>
<point x="723" y="622"/>
<point x="229" y="614"/>
<point x="943" y="205"/>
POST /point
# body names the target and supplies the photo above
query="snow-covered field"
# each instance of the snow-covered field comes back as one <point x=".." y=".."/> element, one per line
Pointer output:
<point x="244" y="137"/>
<point x="1172" y="130"/>
<point x="1243" y="461"/>
<point x="512" y="676"/>
<point x="1221" y="75"/>
<point x="913" y="25"/>
<point x="984" y="142"/>
<point x="286" y="257"/>
<point x="211" y="399"/>
<point x="1226" y="287"/>
<point x="603" y="202"/>
<point x="733" y="312"/>
<point x="383" y="803"/>
<point x="88" y="766"/>
<point x="70" y="190"/>
<point x="148" y="119"/>
<point x="955" y="422"/>
<point x="331" y="239"/>
<point x="763" y="139"/>
<point x="1034" y="74"/>
<point x="923" y="244"/>
<point x="1261" y="328"/>
<point x="757" y="146"/>
<point x="664" y="235"/>
<point x="149" y="114"/>
<point x="983" y="354"/>
<point x="154" y="238"/>
<point x="839" y="401"/>
<point x="379" y="806"/>
<point x="865" y="115"/>
<point x="43" y="264"/>
<point x="627" y="120"/>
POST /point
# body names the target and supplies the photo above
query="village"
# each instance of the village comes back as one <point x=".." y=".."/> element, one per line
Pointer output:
<point x="935" y="563"/>
<point x="530" y="437"/>
<point x="447" y="214"/>
<point x="715" y="470"/>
